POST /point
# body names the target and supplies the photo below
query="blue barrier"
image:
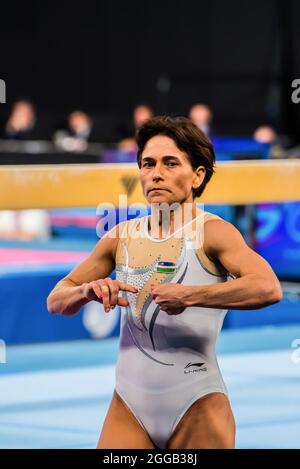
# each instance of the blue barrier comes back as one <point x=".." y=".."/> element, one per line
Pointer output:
<point x="24" y="317"/>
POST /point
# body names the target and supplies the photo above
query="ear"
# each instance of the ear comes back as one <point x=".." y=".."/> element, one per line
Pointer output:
<point x="199" y="175"/>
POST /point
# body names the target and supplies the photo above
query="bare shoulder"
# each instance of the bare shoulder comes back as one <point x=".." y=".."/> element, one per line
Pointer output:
<point x="109" y="241"/>
<point x="224" y="242"/>
<point x="101" y="261"/>
<point x="220" y="235"/>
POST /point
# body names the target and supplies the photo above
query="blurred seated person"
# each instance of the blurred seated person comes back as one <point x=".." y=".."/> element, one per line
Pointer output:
<point x="201" y="115"/>
<point x="267" y="134"/>
<point x="21" y="121"/>
<point x="76" y="136"/>
<point x="25" y="225"/>
<point x="140" y="114"/>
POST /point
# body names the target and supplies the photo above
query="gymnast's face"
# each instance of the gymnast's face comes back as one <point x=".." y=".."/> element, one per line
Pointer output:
<point x="166" y="173"/>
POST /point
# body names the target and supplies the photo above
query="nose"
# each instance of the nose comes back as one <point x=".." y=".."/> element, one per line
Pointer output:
<point x="157" y="172"/>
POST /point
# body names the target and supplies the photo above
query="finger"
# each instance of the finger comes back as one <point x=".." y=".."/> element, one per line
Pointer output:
<point x="174" y="311"/>
<point x="127" y="287"/>
<point x="97" y="290"/>
<point x="169" y="310"/>
<point x="122" y="301"/>
<point x="154" y="288"/>
<point x="114" y="291"/>
<point x="106" y="295"/>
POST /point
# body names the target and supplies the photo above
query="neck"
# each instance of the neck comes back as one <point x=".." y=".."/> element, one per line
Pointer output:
<point x="165" y="220"/>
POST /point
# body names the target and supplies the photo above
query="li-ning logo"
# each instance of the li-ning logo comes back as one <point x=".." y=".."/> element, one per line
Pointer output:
<point x="198" y="367"/>
<point x="129" y="183"/>
<point x="2" y="92"/>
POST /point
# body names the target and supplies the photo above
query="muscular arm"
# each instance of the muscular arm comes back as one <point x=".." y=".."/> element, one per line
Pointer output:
<point x="255" y="285"/>
<point x="68" y="296"/>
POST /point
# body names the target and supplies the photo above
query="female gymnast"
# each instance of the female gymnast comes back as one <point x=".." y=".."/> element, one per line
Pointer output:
<point x="178" y="271"/>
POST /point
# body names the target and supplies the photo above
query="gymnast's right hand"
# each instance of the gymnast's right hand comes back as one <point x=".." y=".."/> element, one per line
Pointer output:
<point x="106" y="291"/>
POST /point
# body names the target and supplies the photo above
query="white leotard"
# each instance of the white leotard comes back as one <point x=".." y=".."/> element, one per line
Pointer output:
<point x="165" y="362"/>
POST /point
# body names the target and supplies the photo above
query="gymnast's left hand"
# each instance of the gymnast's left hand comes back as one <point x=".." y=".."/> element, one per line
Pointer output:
<point x="171" y="297"/>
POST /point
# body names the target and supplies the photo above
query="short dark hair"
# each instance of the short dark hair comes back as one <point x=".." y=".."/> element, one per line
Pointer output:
<point x="188" y="138"/>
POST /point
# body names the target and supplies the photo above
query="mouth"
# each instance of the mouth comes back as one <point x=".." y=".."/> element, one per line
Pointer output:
<point x="157" y="189"/>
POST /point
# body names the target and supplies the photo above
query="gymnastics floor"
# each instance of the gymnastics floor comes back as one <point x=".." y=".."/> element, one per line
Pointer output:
<point x="56" y="395"/>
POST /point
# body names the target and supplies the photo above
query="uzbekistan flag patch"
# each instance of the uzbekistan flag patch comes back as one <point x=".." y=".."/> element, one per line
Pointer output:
<point x="166" y="267"/>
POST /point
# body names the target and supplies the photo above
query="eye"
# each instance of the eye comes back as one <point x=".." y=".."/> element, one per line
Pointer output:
<point x="146" y="164"/>
<point x="171" y="163"/>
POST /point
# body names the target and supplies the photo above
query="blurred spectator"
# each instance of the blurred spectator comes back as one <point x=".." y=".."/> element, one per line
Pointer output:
<point x="21" y="121"/>
<point x="76" y="136"/>
<point x="80" y="125"/>
<point x="24" y="224"/>
<point x="267" y="134"/>
<point x="140" y="114"/>
<point x="127" y="145"/>
<point x="201" y="115"/>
